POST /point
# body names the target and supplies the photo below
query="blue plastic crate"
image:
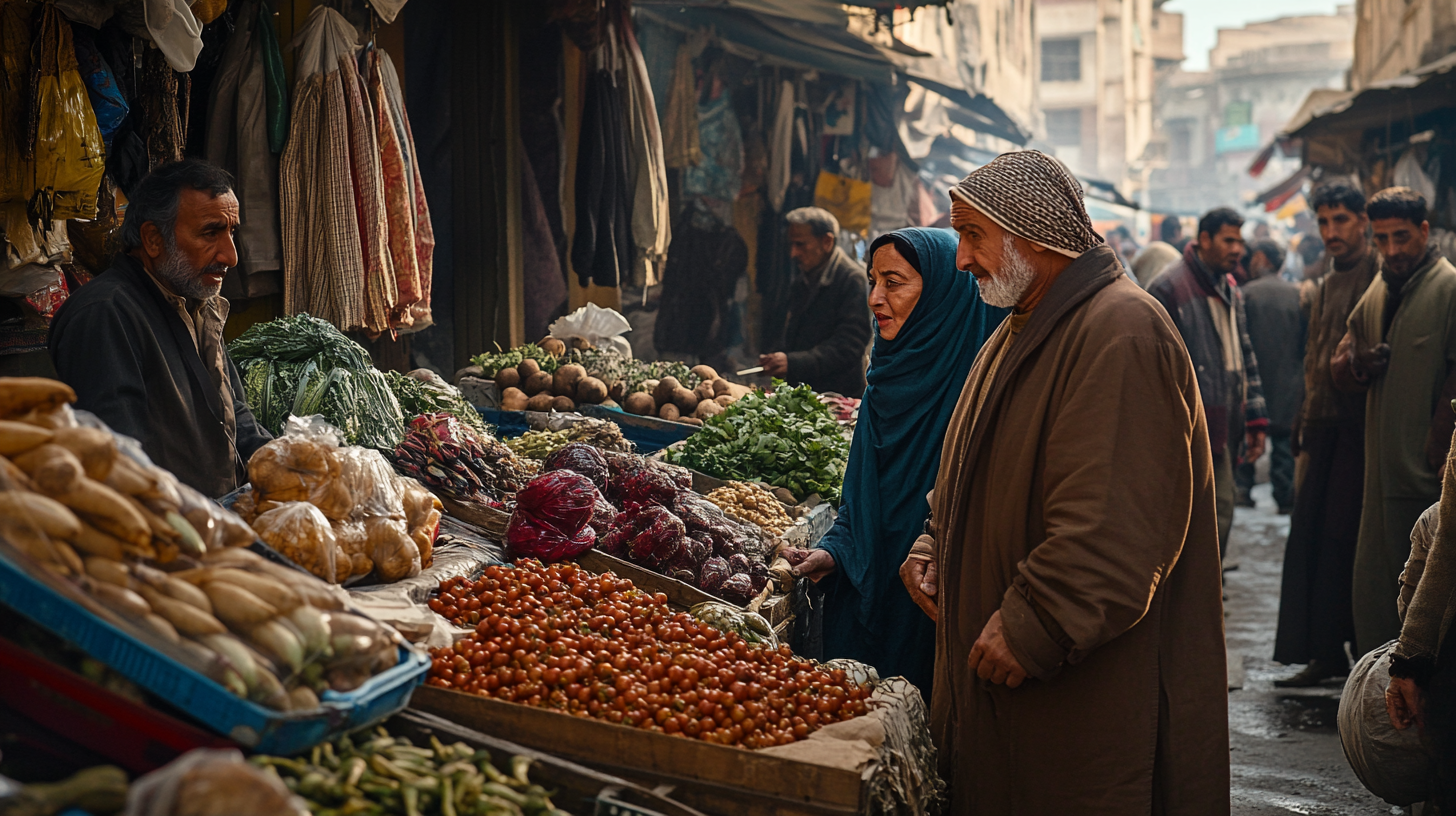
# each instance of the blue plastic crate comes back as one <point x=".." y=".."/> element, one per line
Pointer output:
<point x="247" y="723"/>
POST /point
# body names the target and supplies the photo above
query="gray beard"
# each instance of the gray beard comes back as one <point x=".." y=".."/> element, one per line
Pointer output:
<point x="1005" y="287"/>
<point x="185" y="279"/>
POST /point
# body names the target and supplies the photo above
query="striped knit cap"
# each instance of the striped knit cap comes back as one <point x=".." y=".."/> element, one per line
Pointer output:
<point x="1031" y="194"/>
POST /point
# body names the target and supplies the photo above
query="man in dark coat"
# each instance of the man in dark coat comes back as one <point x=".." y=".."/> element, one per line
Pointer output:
<point x="826" y="337"/>
<point x="1276" y="328"/>
<point x="1207" y="308"/>
<point x="142" y="343"/>
<point x="1315" y="618"/>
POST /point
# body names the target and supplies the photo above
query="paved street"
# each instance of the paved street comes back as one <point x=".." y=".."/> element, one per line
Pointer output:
<point x="1286" y="751"/>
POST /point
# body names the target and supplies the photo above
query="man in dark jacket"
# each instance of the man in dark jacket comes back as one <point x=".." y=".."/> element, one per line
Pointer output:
<point x="1276" y="328"/>
<point x="826" y="337"/>
<point x="142" y="343"/>
<point x="1207" y="308"/>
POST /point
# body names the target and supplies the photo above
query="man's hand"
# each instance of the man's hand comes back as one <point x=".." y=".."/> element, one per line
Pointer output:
<point x="1370" y="363"/>
<point x="775" y="364"/>
<point x="922" y="582"/>
<point x="991" y="657"/>
<point x="812" y="564"/>
<point x="1253" y="446"/>
<point x="1403" y="703"/>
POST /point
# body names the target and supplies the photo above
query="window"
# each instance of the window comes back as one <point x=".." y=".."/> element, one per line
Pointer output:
<point x="1064" y="127"/>
<point x="1238" y="113"/>
<point x="1061" y="60"/>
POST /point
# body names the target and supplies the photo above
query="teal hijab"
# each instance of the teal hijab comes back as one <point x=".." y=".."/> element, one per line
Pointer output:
<point x="914" y="381"/>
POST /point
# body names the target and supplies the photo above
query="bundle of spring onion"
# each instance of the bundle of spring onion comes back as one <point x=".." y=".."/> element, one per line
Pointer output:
<point x="301" y="366"/>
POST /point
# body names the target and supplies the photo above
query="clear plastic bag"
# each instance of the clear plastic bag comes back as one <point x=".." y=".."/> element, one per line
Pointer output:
<point x="301" y="533"/>
<point x="390" y="547"/>
<point x="208" y="781"/>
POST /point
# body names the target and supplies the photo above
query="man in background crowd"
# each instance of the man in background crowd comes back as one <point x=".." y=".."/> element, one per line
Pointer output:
<point x="826" y="336"/>
<point x="1276" y="328"/>
<point x="1400" y="351"/>
<point x="1315" y="620"/>
<point x="1206" y="306"/>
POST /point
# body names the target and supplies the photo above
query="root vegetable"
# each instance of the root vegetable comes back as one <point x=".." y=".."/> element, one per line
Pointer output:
<point x="109" y="571"/>
<point x="707" y="408"/>
<point x="121" y="600"/>
<point x="640" y="404"/>
<point x="40" y="513"/>
<point x="591" y="390"/>
<point x="21" y="395"/>
<point x="94" y="447"/>
<point x="51" y="467"/>
<point x="312" y="626"/>
<point x="18" y="437"/>
<point x="273" y="593"/>
<point x="691" y="420"/>
<point x="108" y="510"/>
<point x="513" y="399"/>
<point x="94" y="542"/>
<point x="563" y="404"/>
<point x="669" y="411"/>
<point x="278" y="642"/>
<point x="552" y="346"/>
<point x="540" y="402"/>
<point x="705" y="373"/>
<point x="527" y="367"/>
<point x="618" y="391"/>
<point x="724" y="400"/>
<point x="662" y="394"/>
<point x="649" y="387"/>
<point x="161" y="627"/>
<point x="507" y="378"/>
<point x="685" y="400"/>
<point x="188" y="619"/>
<point x="234" y="652"/>
<point x="538" y="383"/>
<point x="566" y="379"/>
<point x="237" y="607"/>
<point x="704" y="391"/>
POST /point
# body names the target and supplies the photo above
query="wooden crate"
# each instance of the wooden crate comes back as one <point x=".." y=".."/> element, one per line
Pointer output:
<point x="716" y="779"/>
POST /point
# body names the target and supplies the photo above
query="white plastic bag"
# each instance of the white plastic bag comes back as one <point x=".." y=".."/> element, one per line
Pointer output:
<point x="602" y="328"/>
<point x="1391" y="763"/>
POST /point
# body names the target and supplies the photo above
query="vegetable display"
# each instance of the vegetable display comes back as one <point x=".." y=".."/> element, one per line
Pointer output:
<point x="417" y="397"/>
<point x="448" y="456"/>
<point x="599" y="433"/>
<point x="750" y="502"/>
<point x="561" y="638"/>
<point x="492" y="362"/>
<point x="553" y="515"/>
<point x="787" y="439"/>
<point x="373" y="776"/>
<point x="302" y="366"/>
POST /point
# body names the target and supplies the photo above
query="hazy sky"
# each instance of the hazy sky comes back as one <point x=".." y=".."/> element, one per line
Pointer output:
<point x="1203" y="18"/>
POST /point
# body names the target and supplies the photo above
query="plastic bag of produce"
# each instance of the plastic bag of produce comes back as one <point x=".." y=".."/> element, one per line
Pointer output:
<point x="211" y="782"/>
<point x="390" y="547"/>
<point x="645" y="486"/>
<point x="552" y="519"/>
<point x="301" y="533"/>
<point x="582" y="458"/>
<point x="371" y="487"/>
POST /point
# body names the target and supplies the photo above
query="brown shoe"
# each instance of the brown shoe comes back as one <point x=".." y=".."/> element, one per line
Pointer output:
<point x="1311" y="675"/>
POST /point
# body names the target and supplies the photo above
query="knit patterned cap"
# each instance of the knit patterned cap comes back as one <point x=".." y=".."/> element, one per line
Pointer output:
<point x="1031" y="194"/>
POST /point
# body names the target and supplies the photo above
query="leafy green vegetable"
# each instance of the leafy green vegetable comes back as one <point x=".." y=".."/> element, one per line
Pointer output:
<point x="787" y="439"/>
<point x="492" y="363"/>
<point x="302" y="365"/>
<point x="417" y="398"/>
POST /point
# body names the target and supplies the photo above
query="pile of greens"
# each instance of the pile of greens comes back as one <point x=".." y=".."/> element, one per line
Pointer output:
<point x="301" y="366"/>
<point x="787" y="439"/>
<point x="417" y="398"/>
<point x="493" y="362"/>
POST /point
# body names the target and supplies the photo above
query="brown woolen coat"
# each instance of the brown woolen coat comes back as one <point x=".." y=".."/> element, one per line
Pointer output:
<point x="1080" y="504"/>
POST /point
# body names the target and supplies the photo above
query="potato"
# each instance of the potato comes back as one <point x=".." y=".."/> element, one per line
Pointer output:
<point x="684" y="399"/>
<point x="704" y="391"/>
<point x="705" y="373"/>
<point x="538" y="383"/>
<point x="513" y="399"/>
<point x="669" y="411"/>
<point x="720" y="387"/>
<point x="540" y="402"/>
<point x="591" y="390"/>
<point x="707" y="408"/>
<point x="552" y="346"/>
<point x="639" y="403"/>
<point x="527" y="367"/>
<point x="663" y="392"/>
<point x="691" y="420"/>
<point x="725" y="400"/>
<point x="563" y="404"/>
<point x="566" y="379"/>
<point x="507" y="378"/>
<point x="580" y="344"/>
<point x="618" y="391"/>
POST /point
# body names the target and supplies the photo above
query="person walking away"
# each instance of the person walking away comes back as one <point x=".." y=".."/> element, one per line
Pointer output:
<point x="1400" y="351"/>
<point x="931" y="323"/>
<point x="1207" y="308"/>
<point x="142" y="344"/>
<point x="1315" y="621"/>
<point x="826" y="335"/>
<point x="1080" y="664"/>
<point x="1277" y="330"/>
<point x="1151" y="260"/>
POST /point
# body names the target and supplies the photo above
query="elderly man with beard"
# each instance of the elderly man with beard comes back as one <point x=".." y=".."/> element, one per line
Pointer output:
<point x="1072" y="559"/>
<point x="142" y="343"/>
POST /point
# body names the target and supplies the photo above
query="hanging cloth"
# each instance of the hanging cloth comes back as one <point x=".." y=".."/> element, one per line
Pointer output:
<point x="651" y="212"/>
<point x="680" y="130"/>
<point x="381" y="293"/>
<point x="601" y="250"/>
<point x="274" y="85"/>
<point x="781" y="147"/>
<point x="164" y="100"/>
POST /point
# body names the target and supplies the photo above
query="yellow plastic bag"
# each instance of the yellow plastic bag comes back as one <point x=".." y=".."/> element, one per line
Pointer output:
<point x="846" y="198"/>
<point x="63" y="139"/>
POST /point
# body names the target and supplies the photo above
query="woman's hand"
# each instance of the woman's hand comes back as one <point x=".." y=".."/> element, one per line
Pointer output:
<point x="812" y="564"/>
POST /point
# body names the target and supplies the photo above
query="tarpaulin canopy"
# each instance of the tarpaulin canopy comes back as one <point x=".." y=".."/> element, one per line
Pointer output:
<point x="1336" y="121"/>
<point x="1274" y="197"/>
<point x="977" y="111"/>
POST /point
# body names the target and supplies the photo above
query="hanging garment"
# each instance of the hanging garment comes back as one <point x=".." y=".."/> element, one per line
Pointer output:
<point x="61" y="137"/>
<point x="237" y="141"/>
<point x="323" y="257"/>
<point x="651" y="213"/>
<point x="703" y="270"/>
<point x="176" y="32"/>
<point x="714" y="183"/>
<point x="274" y="85"/>
<point x="163" y="99"/>
<point x="381" y="293"/>
<point x="601" y="251"/>
<point x="107" y="102"/>
<point x="680" y="129"/>
<point x="781" y="147"/>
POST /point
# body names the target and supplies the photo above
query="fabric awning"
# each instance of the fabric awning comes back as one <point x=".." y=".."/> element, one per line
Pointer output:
<point x="1274" y="197"/>
<point x="820" y="12"/>
<point x="977" y="111"/>
<point x="1401" y="98"/>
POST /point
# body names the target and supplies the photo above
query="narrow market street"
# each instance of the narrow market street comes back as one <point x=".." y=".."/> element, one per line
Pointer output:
<point x="1286" y="748"/>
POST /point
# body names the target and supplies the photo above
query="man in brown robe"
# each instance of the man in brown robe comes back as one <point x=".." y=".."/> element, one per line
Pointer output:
<point x="1080" y="663"/>
<point x="1315" y="620"/>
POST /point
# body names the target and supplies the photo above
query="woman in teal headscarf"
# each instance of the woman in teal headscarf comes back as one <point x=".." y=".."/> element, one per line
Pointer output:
<point x="932" y="322"/>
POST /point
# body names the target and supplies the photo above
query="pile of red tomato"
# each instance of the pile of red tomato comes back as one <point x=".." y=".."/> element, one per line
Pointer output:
<point x="589" y="645"/>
